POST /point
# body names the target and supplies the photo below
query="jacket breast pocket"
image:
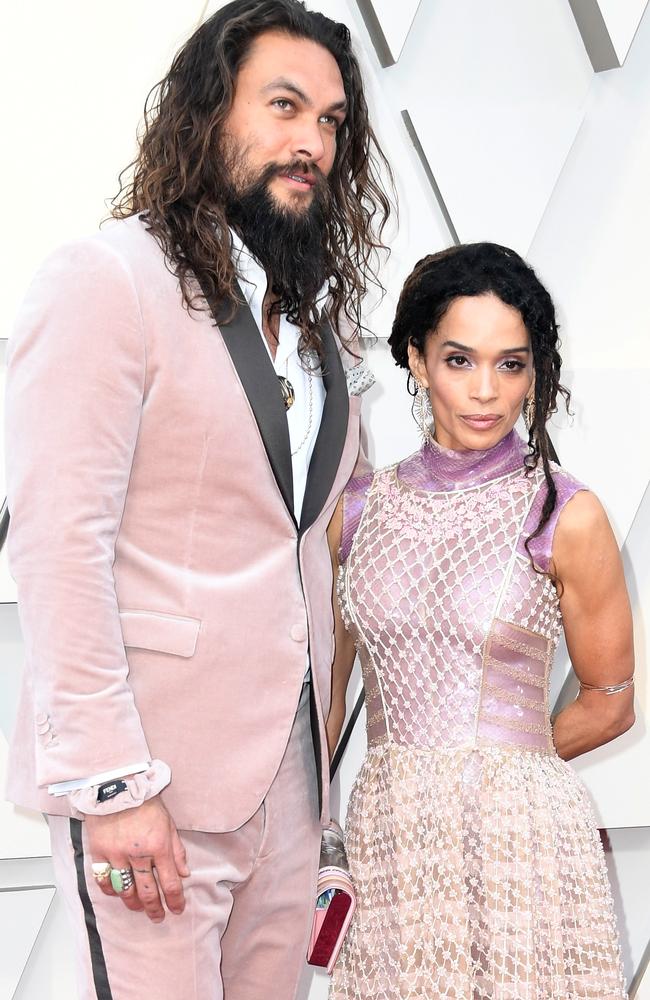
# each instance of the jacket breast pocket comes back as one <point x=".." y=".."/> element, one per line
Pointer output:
<point x="159" y="631"/>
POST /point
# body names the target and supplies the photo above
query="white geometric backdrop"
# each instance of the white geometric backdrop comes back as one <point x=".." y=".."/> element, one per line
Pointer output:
<point x="527" y="123"/>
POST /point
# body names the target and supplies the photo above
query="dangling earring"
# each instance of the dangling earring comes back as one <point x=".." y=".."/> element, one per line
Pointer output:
<point x="422" y="412"/>
<point x="528" y="412"/>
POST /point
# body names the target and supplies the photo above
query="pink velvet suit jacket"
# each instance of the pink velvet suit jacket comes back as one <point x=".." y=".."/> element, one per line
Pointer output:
<point x="167" y="597"/>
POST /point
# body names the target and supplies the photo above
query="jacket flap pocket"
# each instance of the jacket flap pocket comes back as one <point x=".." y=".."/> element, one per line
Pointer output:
<point x="159" y="631"/>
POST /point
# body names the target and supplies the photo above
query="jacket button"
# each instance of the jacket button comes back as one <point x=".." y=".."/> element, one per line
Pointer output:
<point x="43" y="727"/>
<point x="41" y="718"/>
<point x="298" y="633"/>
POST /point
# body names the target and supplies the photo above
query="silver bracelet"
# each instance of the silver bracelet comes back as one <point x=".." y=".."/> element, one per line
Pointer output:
<point x="611" y="688"/>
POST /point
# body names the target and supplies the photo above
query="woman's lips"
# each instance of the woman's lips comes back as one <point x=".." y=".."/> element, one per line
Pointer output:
<point x="479" y="422"/>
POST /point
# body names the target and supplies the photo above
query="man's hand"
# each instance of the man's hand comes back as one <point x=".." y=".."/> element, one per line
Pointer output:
<point x="142" y="838"/>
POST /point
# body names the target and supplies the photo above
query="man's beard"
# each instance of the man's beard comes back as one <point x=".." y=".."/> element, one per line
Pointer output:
<point x="290" y="244"/>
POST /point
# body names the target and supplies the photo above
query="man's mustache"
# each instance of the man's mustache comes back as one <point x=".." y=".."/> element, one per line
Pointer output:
<point x="296" y="167"/>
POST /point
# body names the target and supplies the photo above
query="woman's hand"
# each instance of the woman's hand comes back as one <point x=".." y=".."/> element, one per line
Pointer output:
<point x="597" y="625"/>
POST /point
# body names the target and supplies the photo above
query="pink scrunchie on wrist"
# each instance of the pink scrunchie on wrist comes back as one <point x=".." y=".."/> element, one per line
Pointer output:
<point x="139" y="788"/>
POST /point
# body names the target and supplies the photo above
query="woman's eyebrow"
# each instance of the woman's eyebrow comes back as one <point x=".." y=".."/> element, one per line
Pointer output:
<point x="471" y="350"/>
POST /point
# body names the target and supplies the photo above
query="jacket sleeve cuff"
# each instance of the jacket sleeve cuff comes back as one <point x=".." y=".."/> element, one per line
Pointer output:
<point x="139" y="788"/>
<point x="62" y="787"/>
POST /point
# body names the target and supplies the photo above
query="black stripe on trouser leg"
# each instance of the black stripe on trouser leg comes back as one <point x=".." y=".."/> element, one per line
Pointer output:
<point x="98" y="962"/>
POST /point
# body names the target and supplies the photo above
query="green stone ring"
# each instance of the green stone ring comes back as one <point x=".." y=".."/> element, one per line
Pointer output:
<point x="121" y="879"/>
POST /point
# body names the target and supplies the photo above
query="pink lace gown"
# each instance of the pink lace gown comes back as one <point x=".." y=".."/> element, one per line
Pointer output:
<point x="478" y="866"/>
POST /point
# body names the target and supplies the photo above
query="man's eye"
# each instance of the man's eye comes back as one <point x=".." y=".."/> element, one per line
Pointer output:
<point x="283" y="103"/>
<point x="512" y="365"/>
<point x="330" y="120"/>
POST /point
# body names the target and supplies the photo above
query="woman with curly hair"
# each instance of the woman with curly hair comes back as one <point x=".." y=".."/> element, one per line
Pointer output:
<point x="477" y="861"/>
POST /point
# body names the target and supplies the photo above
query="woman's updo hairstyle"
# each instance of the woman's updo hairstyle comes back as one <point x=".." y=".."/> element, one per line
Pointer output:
<point x="479" y="269"/>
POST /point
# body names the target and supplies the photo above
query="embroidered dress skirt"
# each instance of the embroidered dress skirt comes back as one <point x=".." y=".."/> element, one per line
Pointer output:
<point x="480" y="876"/>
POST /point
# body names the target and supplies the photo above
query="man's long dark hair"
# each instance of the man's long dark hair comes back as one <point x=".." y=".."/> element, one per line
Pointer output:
<point x="176" y="184"/>
<point x="479" y="269"/>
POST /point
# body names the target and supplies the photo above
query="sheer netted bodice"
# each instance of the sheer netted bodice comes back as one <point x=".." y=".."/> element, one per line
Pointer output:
<point x="455" y="628"/>
<point x="478" y="867"/>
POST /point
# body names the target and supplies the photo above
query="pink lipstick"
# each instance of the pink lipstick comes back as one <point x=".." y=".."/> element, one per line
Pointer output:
<point x="481" y="421"/>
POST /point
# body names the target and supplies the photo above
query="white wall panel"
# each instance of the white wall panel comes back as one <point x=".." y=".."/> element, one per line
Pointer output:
<point x="608" y="28"/>
<point x="591" y="246"/>
<point x="75" y="76"/>
<point x="622" y="18"/>
<point x="22" y="912"/>
<point x="496" y="107"/>
<point x="23" y="833"/>
<point x="45" y="940"/>
<point x="393" y="21"/>
<point x="618" y="475"/>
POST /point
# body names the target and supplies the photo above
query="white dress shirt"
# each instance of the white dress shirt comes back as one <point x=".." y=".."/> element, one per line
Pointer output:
<point x="303" y="417"/>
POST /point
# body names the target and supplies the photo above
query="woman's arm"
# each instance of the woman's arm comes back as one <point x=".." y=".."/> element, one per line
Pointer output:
<point x="344" y="645"/>
<point x="597" y="625"/>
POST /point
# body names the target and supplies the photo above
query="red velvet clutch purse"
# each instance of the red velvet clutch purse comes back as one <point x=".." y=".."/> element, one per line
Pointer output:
<point x="335" y="901"/>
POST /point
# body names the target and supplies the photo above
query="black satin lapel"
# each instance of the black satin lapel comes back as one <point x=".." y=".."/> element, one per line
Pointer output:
<point x="328" y="449"/>
<point x="257" y="375"/>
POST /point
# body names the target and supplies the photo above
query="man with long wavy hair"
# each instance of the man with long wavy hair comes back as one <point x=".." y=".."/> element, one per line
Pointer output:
<point x="186" y="383"/>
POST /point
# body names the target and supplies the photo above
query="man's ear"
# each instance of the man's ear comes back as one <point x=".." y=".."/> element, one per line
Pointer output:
<point x="417" y="365"/>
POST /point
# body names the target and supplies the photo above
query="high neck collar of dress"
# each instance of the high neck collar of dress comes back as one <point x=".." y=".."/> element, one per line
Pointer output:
<point x="444" y="469"/>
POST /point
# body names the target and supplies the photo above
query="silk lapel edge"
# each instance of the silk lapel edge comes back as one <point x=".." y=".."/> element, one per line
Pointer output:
<point x="330" y="441"/>
<point x="251" y="361"/>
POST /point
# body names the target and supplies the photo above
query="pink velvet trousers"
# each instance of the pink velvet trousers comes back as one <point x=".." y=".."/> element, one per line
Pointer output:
<point x="249" y="900"/>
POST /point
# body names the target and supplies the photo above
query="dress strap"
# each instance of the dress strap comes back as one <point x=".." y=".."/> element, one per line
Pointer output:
<point x="541" y="547"/>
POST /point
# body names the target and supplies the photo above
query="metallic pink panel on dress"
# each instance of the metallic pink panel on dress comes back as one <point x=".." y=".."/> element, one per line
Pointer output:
<point x="513" y="709"/>
<point x="499" y="736"/>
